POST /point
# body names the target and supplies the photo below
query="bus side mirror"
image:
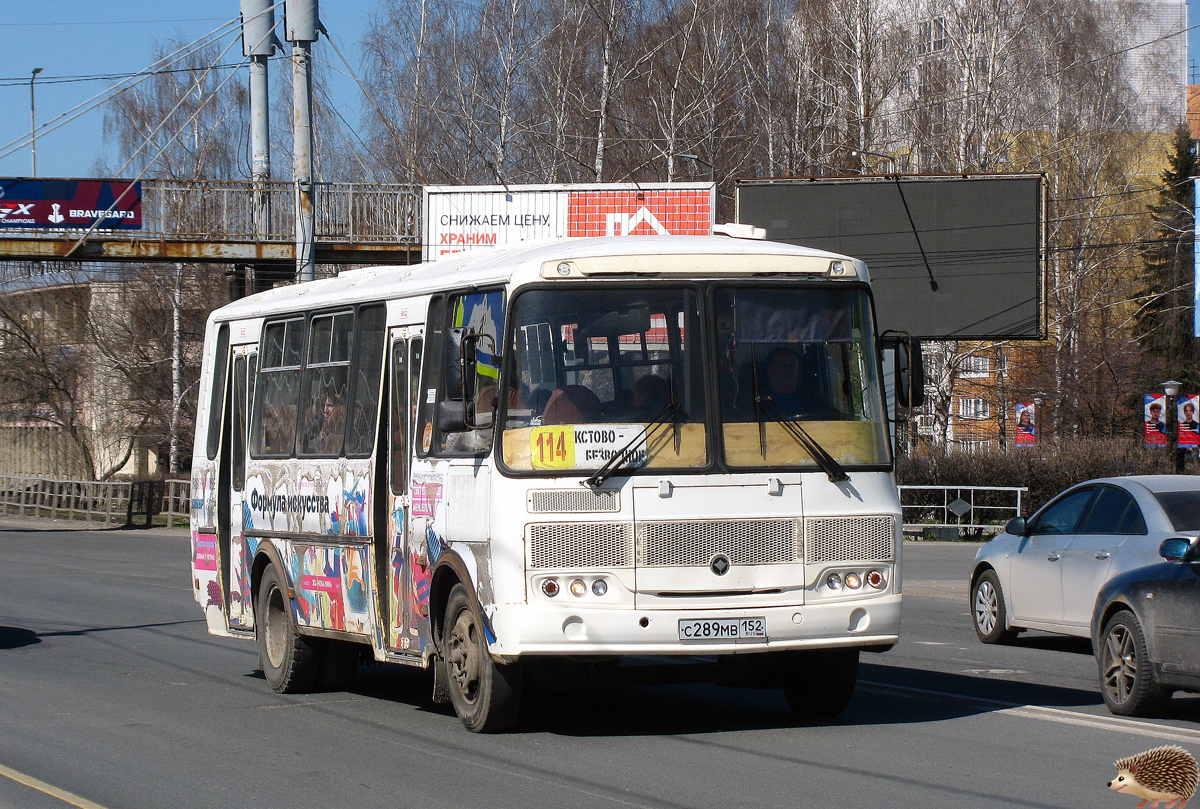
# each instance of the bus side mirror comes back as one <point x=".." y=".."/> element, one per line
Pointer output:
<point x="451" y="416"/>
<point x="910" y="373"/>
<point x="480" y="373"/>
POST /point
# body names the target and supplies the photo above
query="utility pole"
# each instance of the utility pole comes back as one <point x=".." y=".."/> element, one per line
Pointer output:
<point x="258" y="44"/>
<point x="301" y="25"/>
<point x="32" y="125"/>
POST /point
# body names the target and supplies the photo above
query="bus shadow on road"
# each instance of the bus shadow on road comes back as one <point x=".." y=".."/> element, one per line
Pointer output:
<point x="886" y="695"/>
<point x="14" y="637"/>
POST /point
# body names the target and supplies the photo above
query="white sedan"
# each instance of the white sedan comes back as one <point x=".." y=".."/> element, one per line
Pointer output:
<point x="1044" y="572"/>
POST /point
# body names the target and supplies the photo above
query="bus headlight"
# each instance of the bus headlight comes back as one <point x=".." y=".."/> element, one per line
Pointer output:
<point x="599" y="587"/>
<point x="833" y="581"/>
<point x="578" y="588"/>
<point x="853" y="581"/>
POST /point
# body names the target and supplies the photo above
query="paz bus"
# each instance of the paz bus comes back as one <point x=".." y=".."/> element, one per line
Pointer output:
<point x="552" y="460"/>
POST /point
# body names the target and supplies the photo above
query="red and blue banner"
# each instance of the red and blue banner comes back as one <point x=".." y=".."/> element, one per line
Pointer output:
<point x="1189" y="428"/>
<point x="1154" y="414"/>
<point x="55" y="204"/>
<point x="1026" y="432"/>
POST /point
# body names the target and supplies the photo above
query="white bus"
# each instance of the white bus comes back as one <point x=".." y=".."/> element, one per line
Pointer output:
<point x="551" y="460"/>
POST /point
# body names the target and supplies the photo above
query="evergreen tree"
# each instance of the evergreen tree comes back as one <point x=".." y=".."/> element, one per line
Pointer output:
<point x="1165" y="318"/>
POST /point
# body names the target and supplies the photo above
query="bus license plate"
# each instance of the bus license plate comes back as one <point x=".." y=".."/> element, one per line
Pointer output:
<point x="723" y="628"/>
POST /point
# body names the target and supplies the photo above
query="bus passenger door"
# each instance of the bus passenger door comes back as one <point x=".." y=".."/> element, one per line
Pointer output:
<point x="399" y="605"/>
<point x="235" y="568"/>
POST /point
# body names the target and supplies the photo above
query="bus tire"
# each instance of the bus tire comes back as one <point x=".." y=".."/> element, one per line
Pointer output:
<point x="486" y="697"/>
<point x="820" y="683"/>
<point x="290" y="661"/>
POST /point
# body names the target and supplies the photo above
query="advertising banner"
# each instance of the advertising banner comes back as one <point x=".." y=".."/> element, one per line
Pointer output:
<point x="460" y="218"/>
<point x="1026" y="432"/>
<point x="1155" y="431"/>
<point x="27" y="203"/>
<point x="1189" y="428"/>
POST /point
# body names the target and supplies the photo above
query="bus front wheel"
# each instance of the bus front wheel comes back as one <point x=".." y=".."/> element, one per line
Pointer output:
<point x="290" y="661"/>
<point x="819" y="684"/>
<point x="485" y="696"/>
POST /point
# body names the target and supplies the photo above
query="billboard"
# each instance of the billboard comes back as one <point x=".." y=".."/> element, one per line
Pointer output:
<point x="28" y="203"/>
<point x="956" y="257"/>
<point x="459" y="218"/>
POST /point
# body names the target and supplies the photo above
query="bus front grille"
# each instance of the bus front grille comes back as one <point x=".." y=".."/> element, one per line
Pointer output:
<point x="850" y="539"/>
<point x="695" y="543"/>
<point x="580" y="544"/>
<point x="573" y="500"/>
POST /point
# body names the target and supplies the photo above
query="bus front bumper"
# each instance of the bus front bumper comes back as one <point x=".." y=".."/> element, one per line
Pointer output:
<point x="537" y="629"/>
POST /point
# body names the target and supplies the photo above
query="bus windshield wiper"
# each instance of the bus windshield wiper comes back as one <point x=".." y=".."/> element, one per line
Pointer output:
<point x="829" y="465"/>
<point x="621" y="458"/>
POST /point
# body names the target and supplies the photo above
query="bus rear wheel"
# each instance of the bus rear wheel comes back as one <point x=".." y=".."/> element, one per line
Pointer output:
<point x="290" y="661"/>
<point x="486" y="696"/>
<point x="820" y="683"/>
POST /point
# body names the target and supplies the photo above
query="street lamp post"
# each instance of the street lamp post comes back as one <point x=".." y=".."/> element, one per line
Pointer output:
<point x="32" y="125"/>
<point x="712" y="170"/>
<point x="888" y="157"/>
<point x="1174" y="451"/>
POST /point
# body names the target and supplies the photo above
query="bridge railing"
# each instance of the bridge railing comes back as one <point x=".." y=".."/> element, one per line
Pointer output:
<point x="212" y="210"/>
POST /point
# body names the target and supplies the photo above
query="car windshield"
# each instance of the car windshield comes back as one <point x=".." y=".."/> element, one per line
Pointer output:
<point x="1182" y="508"/>
<point x="604" y="372"/>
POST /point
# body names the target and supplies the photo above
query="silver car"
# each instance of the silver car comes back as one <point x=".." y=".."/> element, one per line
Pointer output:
<point x="1044" y="572"/>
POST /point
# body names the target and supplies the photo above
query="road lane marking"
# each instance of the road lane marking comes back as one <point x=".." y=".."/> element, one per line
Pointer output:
<point x="48" y="789"/>
<point x="1132" y="727"/>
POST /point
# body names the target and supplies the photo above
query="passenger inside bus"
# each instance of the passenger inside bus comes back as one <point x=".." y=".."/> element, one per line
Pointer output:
<point x="326" y="427"/>
<point x="794" y="387"/>
<point x="651" y="393"/>
<point x="571" y="404"/>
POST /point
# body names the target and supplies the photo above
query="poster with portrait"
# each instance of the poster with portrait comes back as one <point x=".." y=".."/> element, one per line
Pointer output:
<point x="1154" y="419"/>
<point x="1189" y="428"/>
<point x="1026" y="432"/>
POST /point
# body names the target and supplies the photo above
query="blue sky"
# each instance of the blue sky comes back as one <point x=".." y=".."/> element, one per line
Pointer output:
<point x="73" y="39"/>
<point x="70" y="39"/>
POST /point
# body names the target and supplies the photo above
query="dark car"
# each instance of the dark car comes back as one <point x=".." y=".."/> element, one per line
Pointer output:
<point x="1146" y="631"/>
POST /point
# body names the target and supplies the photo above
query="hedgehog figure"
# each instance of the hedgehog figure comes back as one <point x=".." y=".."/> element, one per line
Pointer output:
<point x="1166" y="774"/>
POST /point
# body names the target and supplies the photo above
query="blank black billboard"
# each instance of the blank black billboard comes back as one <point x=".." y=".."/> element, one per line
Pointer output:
<point x="949" y="257"/>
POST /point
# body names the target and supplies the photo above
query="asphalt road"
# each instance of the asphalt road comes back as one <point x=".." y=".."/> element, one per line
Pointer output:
<point x="113" y="695"/>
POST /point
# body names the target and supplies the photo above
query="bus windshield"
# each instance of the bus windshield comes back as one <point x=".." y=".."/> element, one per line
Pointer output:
<point x="800" y="357"/>
<point x="599" y="372"/>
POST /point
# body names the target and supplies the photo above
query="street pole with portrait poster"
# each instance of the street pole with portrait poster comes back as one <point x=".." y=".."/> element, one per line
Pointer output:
<point x="1155" y="426"/>
<point x="1026" y="432"/>
<point x="1189" y="426"/>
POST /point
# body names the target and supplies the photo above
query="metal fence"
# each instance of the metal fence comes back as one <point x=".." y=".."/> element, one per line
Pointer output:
<point x="977" y="510"/>
<point x="92" y="501"/>
<point x="974" y="510"/>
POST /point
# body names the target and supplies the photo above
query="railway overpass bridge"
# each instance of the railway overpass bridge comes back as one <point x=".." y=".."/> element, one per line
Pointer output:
<point x="214" y="222"/>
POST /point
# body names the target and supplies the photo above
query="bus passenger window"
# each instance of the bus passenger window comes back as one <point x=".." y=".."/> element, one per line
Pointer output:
<point x="399" y="417"/>
<point x="326" y="384"/>
<point x="273" y="418"/>
<point x="368" y="364"/>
